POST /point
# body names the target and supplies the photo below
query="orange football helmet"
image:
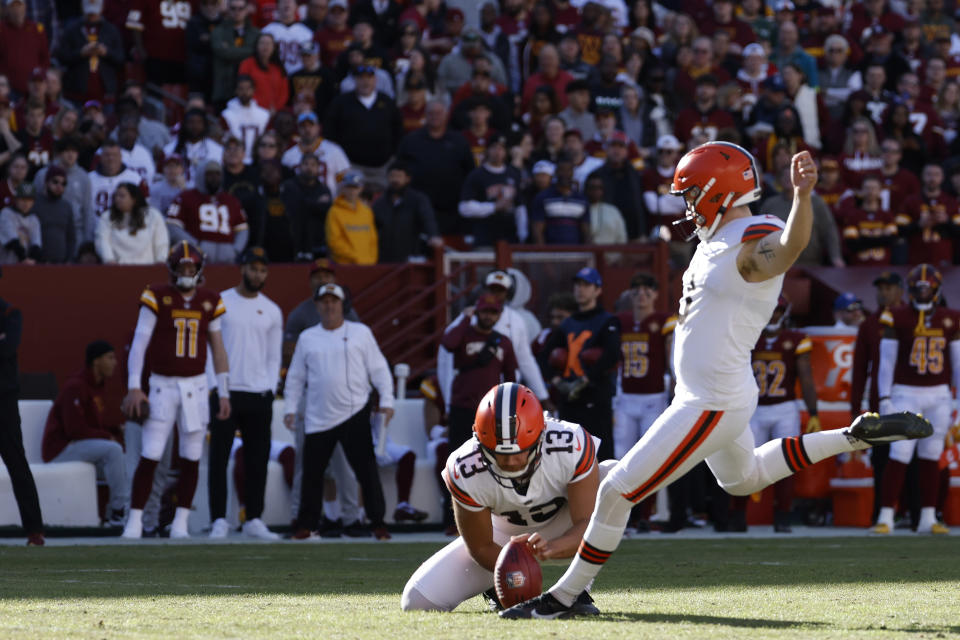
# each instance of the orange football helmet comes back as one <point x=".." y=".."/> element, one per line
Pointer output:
<point x="711" y="179"/>
<point x="185" y="253"/>
<point x="923" y="285"/>
<point x="509" y="421"/>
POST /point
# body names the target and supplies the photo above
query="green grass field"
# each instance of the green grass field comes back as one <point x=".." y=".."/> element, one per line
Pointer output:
<point x="904" y="587"/>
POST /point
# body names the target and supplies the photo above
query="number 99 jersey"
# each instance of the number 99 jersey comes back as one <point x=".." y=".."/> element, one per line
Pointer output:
<point x="568" y="455"/>
<point x="178" y="347"/>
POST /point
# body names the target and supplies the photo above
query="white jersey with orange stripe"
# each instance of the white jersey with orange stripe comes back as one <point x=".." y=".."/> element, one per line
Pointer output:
<point x="721" y="317"/>
<point x="568" y="455"/>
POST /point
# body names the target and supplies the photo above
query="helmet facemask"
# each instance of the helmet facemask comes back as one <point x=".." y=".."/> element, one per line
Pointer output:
<point x="512" y="479"/>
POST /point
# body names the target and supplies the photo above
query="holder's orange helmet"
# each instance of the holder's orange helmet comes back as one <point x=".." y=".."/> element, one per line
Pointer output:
<point x="509" y="420"/>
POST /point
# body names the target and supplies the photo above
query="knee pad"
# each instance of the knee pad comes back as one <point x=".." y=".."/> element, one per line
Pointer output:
<point x="413" y="600"/>
<point x="191" y="445"/>
<point x="611" y="507"/>
<point x="153" y="439"/>
<point x="930" y="448"/>
<point x="902" y="451"/>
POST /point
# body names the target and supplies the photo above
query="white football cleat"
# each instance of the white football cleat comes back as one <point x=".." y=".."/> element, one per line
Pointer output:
<point x="220" y="528"/>
<point x="179" y="534"/>
<point x="257" y="529"/>
<point x="133" y="530"/>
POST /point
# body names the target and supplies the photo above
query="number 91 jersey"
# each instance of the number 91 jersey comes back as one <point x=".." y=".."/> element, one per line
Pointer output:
<point x="208" y="218"/>
<point x="569" y="453"/>
<point x="178" y="346"/>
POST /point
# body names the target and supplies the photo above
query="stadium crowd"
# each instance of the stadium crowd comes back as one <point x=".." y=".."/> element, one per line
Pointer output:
<point x="426" y="128"/>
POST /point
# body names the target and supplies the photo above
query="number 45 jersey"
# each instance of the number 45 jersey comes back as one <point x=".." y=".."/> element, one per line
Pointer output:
<point x="568" y="455"/>
<point x="923" y="344"/>
<point x="178" y="347"/>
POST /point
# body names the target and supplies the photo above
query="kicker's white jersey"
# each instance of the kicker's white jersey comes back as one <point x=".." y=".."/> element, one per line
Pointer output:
<point x="290" y="39"/>
<point x="246" y="123"/>
<point x="141" y="161"/>
<point x="721" y="317"/>
<point x="333" y="162"/>
<point x="568" y="455"/>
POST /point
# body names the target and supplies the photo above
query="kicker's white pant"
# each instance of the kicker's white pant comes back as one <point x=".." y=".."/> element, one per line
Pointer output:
<point x="936" y="404"/>
<point x="772" y="421"/>
<point x="451" y="576"/>
<point x="184" y="401"/>
<point x="633" y="414"/>
<point x="682" y="437"/>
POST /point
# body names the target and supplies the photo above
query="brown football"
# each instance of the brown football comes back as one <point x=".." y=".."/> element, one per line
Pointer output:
<point x="517" y="574"/>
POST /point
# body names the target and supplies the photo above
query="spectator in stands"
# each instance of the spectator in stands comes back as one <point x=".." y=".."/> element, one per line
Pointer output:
<point x="704" y="62"/>
<point x="209" y="218"/>
<point x="623" y="186"/>
<point x="543" y="108"/>
<point x="266" y="69"/>
<point x="367" y="125"/>
<point x="606" y="221"/>
<point x="898" y="183"/>
<point x="92" y="50"/>
<point x="195" y="145"/>
<point x="131" y="231"/>
<point x="551" y="143"/>
<point x="383" y="18"/>
<point x="662" y="207"/>
<point x="847" y="311"/>
<point x="861" y="153"/>
<point x="577" y="115"/>
<point x="78" y="428"/>
<point x="335" y="35"/>
<point x="838" y="80"/>
<point x="153" y="134"/>
<point x="245" y="119"/>
<point x="11" y="437"/>
<point x="20" y="236"/>
<point x="277" y="234"/>
<point x="77" y="193"/>
<point x="351" y="234"/>
<point x="17" y="170"/>
<point x="439" y="160"/>
<point x="824" y="246"/>
<point x="290" y="36"/>
<point x="252" y="336"/>
<point x="878" y="50"/>
<point x="570" y="59"/>
<point x="406" y="225"/>
<point x="705" y="117"/>
<point x="313" y="79"/>
<point x="199" y="44"/>
<point x="550" y="75"/>
<point x="483" y="358"/>
<point x="232" y="41"/>
<point x="929" y="220"/>
<point x="35" y="139"/>
<point x="363" y="42"/>
<point x="134" y="155"/>
<point x="337" y="408"/>
<point x="490" y="201"/>
<point x="914" y="149"/>
<point x="331" y="156"/>
<point x="456" y="67"/>
<point x="868" y="229"/>
<point x="788" y="50"/>
<point x="57" y="231"/>
<point x="23" y="45"/>
<point x="316" y="14"/>
<point x="307" y="201"/>
<point x="164" y="192"/>
<point x="560" y="214"/>
<point x="8" y="141"/>
<point x="64" y="124"/>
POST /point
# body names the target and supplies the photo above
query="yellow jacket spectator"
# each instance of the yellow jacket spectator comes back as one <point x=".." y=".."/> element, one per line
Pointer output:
<point x="351" y="232"/>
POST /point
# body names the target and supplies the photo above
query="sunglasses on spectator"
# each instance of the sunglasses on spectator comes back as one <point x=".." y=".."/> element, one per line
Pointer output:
<point x="59" y="181"/>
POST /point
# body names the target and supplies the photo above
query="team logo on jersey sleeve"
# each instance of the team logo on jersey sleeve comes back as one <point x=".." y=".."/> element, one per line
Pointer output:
<point x="947" y="323"/>
<point x="207" y="306"/>
<point x="167" y="300"/>
<point x="787" y="344"/>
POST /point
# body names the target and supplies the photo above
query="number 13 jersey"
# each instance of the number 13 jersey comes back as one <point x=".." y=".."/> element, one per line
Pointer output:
<point x="569" y="453"/>
<point x="178" y="346"/>
<point x="721" y="317"/>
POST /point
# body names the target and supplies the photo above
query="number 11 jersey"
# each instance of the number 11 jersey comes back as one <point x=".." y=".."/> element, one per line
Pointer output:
<point x="568" y="455"/>
<point x="178" y="347"/>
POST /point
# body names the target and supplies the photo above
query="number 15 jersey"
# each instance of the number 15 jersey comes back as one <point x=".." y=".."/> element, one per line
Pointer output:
<point x="569" y="453"/>
<point x="178" y="346"/>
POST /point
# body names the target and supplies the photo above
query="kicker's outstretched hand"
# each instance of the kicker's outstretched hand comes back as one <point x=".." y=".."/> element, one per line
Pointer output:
<point x="803" y="173"/>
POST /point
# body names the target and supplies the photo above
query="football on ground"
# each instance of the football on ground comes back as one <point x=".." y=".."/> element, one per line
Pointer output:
<point x="517" y="574"/>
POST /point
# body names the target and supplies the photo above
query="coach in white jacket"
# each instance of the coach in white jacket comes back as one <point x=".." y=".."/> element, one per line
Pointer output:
<point x="336" y="364"/>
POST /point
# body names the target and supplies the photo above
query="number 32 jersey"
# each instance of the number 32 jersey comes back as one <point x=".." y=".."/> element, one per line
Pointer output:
<point x="208" y="218"/>
<point x="178" y="346"/>
<point x="569" y="453"/>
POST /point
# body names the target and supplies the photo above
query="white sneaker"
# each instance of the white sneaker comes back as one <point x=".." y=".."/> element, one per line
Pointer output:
<point x="220" y="528"/>
<point x="133" y="530"/>
<point x="179" y="534"/>
<point x="256" y="529"/>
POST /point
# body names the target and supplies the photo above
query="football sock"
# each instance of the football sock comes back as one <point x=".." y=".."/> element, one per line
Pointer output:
<point x="600" y="540"/>
<point x="187" y="482"/>
<point x="928" y="477"/>
<point x="331" y="509"/>
<point x="943" y="488"/>
<point x="135" y="518"/>
<point x="892" y="483"/>
<point x="142" y="483"/>
<point x="180" y="519"/>
<point x="783" y="491"/>
<point x="885" y="516"/>
<point x="405" y="468"/>
<point x="928" y="517"/>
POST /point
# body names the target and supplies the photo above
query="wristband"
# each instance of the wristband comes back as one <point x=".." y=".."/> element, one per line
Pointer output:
<point x="223" y="384"/>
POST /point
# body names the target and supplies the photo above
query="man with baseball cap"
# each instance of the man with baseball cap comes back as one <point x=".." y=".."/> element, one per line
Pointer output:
<point x="866" y="361"/>
<point x="591" y="338"/>
<point x="331" y="156"/>
<point x="847" y="311"/>
<point x="490" y="199"/>
<point x="23" y="45"/>
<point x="624" y="185"/>
<point x="335" y="366"/>
<point x="20" y="238"/>
<point x="252" y="336"/>
<point x="57" y="230"/>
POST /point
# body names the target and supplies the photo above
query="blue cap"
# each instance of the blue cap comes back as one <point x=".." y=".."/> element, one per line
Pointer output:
<point x="353" y="179"/>
<point x="307" y="115"/>
<point x="365" y="68"/>
<point x="847" y="302"/>
<point x="590" y="276"/>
